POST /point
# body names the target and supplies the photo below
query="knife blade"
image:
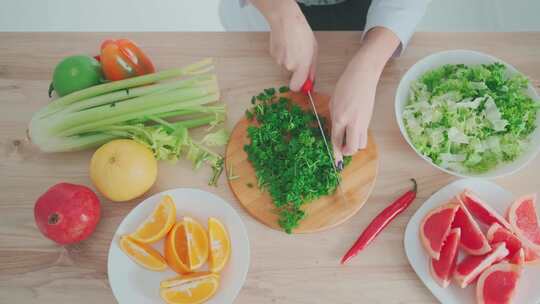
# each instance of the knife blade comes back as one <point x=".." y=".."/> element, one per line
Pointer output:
<point x="307" y="88"/>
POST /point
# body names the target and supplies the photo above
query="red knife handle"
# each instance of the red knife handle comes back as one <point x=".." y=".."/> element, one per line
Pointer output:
<point x="307" y="87"/>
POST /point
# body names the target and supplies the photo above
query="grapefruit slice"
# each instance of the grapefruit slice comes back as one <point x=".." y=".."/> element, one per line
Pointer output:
<point x="518" y="258"/>
<point x="496" y="234"/>
<point x="531" y="257"/>
<point x="481" y="210"/>
<point x="443" y="269"/>
<point x="473" y="241"/>
<point x="523" y="219"/>
<point x="497" y="285"/>
<point x="473" y="265"/>
<point x="435" y="227"/>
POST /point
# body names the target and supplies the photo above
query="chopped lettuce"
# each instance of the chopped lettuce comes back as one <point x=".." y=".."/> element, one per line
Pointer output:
<point x="469" y="119"/>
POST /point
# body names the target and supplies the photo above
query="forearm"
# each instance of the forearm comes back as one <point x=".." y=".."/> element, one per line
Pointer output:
<point x="377" y="48"/>
<point x="273" y="10"/>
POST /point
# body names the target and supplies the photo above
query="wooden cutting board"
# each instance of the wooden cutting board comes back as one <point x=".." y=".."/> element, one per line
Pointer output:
<point x="358" y="179"/>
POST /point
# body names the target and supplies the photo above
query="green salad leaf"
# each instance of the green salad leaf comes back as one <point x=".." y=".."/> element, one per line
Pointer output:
<point x="469" y="119"/>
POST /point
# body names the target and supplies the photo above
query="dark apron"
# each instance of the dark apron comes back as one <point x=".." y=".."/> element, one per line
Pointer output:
<point x="346" y="16"/>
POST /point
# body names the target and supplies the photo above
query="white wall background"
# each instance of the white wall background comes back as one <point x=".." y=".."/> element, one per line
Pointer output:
<point x="220" y="15"/>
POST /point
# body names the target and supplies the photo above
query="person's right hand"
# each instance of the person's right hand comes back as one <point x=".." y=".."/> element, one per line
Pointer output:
<point x="292" y="42"/>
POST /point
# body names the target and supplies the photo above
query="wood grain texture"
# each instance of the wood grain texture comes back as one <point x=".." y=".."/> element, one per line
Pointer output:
<point x="358" y="179"/>
<point x="298" y="269"/>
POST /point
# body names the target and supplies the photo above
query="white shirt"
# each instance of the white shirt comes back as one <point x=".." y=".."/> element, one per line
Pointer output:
<point x="399" y="16"/>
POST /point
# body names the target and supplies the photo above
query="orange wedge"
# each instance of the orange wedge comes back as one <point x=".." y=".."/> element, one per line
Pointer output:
<point x="142" y="254"/>
<point x="176" y="250"/>
<point x="193" y="288"/>
<point x="197" y="243"/>
<point x="158" y="224"/>
<point x="186" y="246"/>
<point x="220" y="245"/>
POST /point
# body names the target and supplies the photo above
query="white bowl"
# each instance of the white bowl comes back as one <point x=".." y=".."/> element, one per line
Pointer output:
<point x="469" y="58"/>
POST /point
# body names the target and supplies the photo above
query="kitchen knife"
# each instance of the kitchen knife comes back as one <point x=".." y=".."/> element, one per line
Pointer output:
<point x="307" y="88"/>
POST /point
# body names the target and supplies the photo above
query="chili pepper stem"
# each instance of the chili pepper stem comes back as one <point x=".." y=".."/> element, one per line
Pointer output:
<point x="415" y="187"/>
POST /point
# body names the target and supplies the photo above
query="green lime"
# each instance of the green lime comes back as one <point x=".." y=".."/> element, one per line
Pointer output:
<point x="75" y="73"/>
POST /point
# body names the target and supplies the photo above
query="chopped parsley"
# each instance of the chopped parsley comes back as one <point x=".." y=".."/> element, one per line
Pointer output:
<point x="289" y="156"/>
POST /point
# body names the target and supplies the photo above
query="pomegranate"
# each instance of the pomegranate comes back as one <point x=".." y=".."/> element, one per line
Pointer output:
<point x="67" y="213"/>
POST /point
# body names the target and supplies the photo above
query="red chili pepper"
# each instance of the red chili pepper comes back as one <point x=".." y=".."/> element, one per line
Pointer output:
<point x="380" y="222"/>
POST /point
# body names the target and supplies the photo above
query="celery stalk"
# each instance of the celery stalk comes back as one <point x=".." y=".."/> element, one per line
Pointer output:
<point x="119" y="96"/>
<point x="182" y="97"/>
<point x="72" y="123"/>
<point x="89" y="126"/>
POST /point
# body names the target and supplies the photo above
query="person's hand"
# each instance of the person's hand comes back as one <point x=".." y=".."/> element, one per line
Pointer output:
<point x="351" y="107"/>
<point x="352" y="103"/>
<point x="292" y="42"/>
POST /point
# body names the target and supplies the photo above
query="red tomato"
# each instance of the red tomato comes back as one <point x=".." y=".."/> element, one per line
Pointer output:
<point x="121" y="59"/>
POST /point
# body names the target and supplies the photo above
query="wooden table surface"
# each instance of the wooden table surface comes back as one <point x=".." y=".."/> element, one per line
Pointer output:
<point x="284" y="269"/>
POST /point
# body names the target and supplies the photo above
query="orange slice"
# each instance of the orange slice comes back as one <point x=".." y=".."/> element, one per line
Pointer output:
<point x="142" y="254"/>
<point x="186" y="246"/>
<point x="220" y="245"/>
<point x="158" y="224"/>
<point x="176" y="250"/>
<point x="197" y="243"/>
<point x="193" y="288"/>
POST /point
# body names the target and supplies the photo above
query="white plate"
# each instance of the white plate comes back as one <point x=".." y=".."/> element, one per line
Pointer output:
<point x="498" y="198"/>
<point x="132" y="283"/>
<point x="469" y="58"/>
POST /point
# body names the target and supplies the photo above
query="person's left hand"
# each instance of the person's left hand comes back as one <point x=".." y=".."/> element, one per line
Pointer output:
<point x="351" y="107"/>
